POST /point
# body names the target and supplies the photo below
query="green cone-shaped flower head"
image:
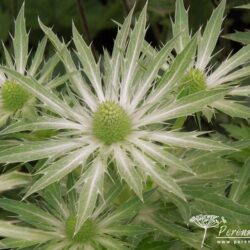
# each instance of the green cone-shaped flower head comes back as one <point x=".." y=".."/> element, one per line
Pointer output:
<point x="14" y="96"/>
<point x="111" y="123"/>
<point x="85" y="234"/>
<point x="194" y="81"/>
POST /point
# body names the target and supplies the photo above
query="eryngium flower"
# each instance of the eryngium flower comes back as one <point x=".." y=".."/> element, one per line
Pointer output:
<point x="202" y="74"/>
<point x="114" y="118"/>
<point x="15" y="101"/>
<point x="49" y="222"/>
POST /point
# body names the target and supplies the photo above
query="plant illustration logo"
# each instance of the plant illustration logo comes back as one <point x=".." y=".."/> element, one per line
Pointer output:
<point x="207" y="221"/>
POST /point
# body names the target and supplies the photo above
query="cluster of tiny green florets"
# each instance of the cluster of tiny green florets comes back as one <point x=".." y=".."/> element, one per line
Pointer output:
<point x="14" y="96"/>
<point x="111" y="123"/>
<point x="85" y="234"/>
<point x="192" y="82"/>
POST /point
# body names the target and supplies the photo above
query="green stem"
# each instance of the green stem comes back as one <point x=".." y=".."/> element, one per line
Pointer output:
<point x="85" y="26"/>
<point x="203" y="239"/>
<point x="126" y="6"/>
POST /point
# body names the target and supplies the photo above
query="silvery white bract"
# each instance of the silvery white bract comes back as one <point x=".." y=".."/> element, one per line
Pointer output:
<point x="202" y="74"/>
<point x="14" y="100"/>
<point x="13" y="179"/>
<point x="113" y="115"/>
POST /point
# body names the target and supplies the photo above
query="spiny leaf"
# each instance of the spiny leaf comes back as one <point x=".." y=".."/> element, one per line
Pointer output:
<point x="114" y="68"/>
<point x="132" y="55"/>
<point x="10" y="243"/>
<point x="228" y="65"/>
<point x="48" y="68"/>
<point x="245" y="6"/>
<point x="214" y="170"/>
<point x="92" y="187"/>
<point x="60" y="168"/>
<point x="235" y="75"/>
<point x="232" y="108"/>
<point x="29" y="213"/>
<point x="69" y="64"/>
<point x="125" y="211"/>
<point x="40" y="124"/>
<point x="188" y="140"/>
<point x="20" y="42"/>
<point x="242" y="37"/>
<point x="111" y="243"/>
<point x="239" y="132"/>
<point x="53" y="195"/>
<point x="152" y="71"/>
<point x="240" y="91"/>
<point x="185" y="106"/>
<point x="38" y="57"/>
<point x="7" y="229"/>
<point x="180" y="26"/>
<point x="164" y="157"/>
<point x="177" y="232"/>
<point x="108" y="199"/>
<point x="183" y="207"/>
<point x="160" y="177"/>
<point x="30" y="151"/>
<point x="212" y="203"/>
<point x="8" y="58"/>
<point x="13" y="180"/>
<point x="127" y="171"/>
<point x="175" y="73"/>
<point x="210" y="36"/>
<point x="60" y="80"/>
<point x="91" y="69"/>
<point x="127" y="230"/>
<point x="240" y="184"/>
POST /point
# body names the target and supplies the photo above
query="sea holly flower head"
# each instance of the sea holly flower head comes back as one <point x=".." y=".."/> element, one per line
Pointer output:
<point x="49" y="223"/>
<point x="16" y="101"/>
<point x="14" y="96"/>
<point x="228" y="73"/>
<point x="194" y="81"/>
<point x="109" y="122"/>
<point x="86" y="232"/>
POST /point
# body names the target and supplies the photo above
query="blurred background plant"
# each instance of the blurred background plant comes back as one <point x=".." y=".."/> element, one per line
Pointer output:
<point x="94" y="18"/>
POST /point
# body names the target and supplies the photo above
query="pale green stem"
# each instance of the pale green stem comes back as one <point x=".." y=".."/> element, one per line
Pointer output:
<point x="204" y="236"/>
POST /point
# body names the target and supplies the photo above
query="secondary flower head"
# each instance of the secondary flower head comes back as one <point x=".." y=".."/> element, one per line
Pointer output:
<point x="14" y="96"/>
<point x="15" y="101"/>
<point x="228" y="73"/>
<point x="86" y="232"/>
<point x="49" y="222"/>
<point x="116" y="119"/>
<point x="194" y="81"/>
